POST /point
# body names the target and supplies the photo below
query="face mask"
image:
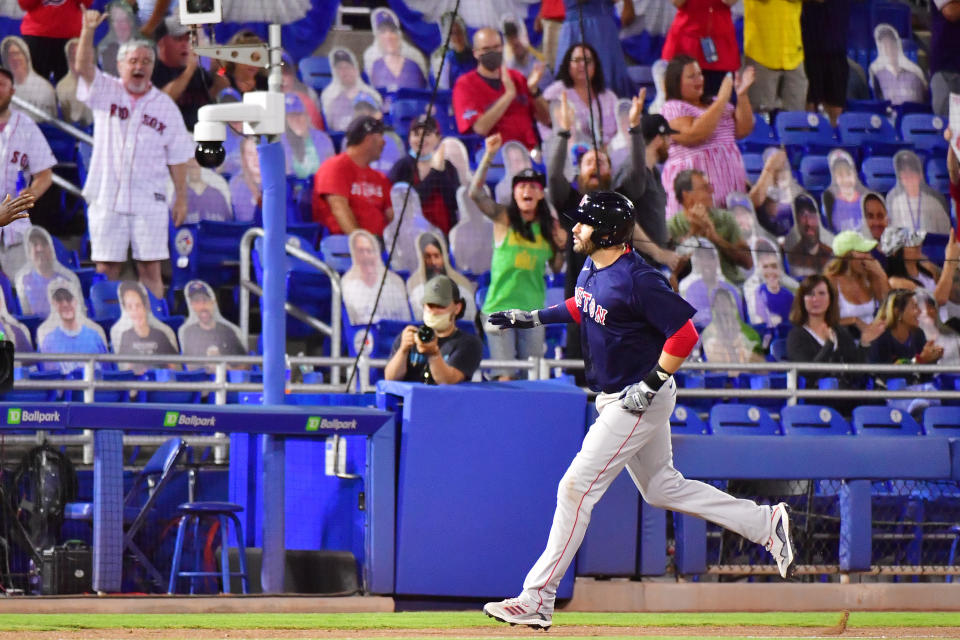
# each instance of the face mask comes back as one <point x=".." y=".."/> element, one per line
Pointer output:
<point x="424" y="156"/>
<point x="491" y="60"/>
<point x="437" y="321"/>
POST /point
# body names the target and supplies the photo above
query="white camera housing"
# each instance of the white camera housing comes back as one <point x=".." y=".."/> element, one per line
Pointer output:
<point x="262" y="113"/>
<point x="208" y="17"/>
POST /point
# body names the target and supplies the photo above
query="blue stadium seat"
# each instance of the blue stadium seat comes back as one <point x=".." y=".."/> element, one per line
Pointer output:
<point x="883" y="421"/>
<point x="175" y="397"/>
<point x="753" y="163"/>
<point x="805" y="130"/>
<point x="924" y="131"/>
<point x="315" y="72"/>
<point x="218" y="251"/>
<point x="63" y="145"/>
<point x="496" y="171"/>
<point x="761" y="137"/>
<point x="878" y="173"/>
<point x="778" y="349"/>
<point x="934" y="246"/>
<point x="759" y="381"/>
<point x="896" y="14"/>
<point x="937" y="176"/>
<point x="33" y="395"/>
<point x="335" y="250"/>
<point x="104" y="299"/>
<point x="868" y="106"/>
<point x="814" y="173"/>
<point x="870" y="131"/>
<point x="742" y="419"/>
<point x="299" y="200"/>
<point x="106" y="395"/>
<point x="404" y="112"/>
<point x="813" y="420"/>
<point x="942" y="421"/>
<point x="860" y="27"/>
<point x="309" y="231"/>
<point x="687" y="421"/>
<point x="66" y="257"/>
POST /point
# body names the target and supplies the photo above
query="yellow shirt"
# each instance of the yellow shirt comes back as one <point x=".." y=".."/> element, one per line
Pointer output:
<point x="771" y="33"/>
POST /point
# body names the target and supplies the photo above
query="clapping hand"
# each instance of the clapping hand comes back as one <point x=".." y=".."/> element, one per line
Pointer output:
<point x="535" y="76"/>
<point x="15" y="208"/>
<point x="744" y="79"/>
<point x="726" y="89"/>
<point x="509" y="88"/>
<point x="636" y="108"/>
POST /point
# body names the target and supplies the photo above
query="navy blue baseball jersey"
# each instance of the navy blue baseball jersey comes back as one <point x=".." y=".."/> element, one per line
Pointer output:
<point x="627" y="311"/>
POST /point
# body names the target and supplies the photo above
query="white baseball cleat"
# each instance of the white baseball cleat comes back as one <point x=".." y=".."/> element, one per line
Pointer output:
<point x="514" y="611"/>
<point x="779" y="543"/>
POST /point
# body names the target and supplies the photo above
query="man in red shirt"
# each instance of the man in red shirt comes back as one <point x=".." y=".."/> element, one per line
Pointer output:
<point x="46" y="28"/>
<point x="347" y="193"/>
<point x="493" y="99"/>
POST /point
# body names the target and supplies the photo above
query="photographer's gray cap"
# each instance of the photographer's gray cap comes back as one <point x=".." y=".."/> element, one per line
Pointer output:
<point x="441" y="290"/>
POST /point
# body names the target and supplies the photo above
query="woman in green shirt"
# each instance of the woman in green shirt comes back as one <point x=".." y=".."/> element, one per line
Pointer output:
<point x="525" y="238"/>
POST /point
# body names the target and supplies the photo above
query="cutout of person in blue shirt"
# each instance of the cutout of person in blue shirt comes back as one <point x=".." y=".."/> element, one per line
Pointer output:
<point x="67" y="329"/>
<point x="41" y="268"/>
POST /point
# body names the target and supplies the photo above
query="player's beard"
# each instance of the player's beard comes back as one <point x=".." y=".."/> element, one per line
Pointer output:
<point x="584" y="247"/>
<point x="5" y="104"/>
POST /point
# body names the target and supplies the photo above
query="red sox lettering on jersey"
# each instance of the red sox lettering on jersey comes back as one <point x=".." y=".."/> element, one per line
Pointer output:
<point x="586" y="303"/>
<point x="366" y="190"/>
<point x="150" y="121"/>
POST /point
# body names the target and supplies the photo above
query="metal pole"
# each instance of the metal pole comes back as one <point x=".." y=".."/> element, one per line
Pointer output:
<point x="272" y="171"/>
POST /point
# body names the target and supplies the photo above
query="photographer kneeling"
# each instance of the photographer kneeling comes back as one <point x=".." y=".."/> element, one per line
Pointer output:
<point x="438" y="352"/>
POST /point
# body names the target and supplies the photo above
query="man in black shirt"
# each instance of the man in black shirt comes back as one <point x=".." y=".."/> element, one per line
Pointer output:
<point x="177" y="73"/>
<point x="450" y="356"/>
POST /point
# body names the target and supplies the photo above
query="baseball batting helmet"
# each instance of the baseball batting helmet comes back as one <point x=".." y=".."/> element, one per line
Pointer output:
<point x="609" y="213"/>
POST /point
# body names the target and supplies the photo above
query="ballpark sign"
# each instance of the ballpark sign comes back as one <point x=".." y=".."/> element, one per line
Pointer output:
<point x="19" y="416"/>
<point x="177" y="419"/>
<point x="315" y="423"/>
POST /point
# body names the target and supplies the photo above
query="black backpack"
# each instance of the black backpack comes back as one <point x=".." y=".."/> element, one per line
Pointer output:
<point x="43" y="484"/>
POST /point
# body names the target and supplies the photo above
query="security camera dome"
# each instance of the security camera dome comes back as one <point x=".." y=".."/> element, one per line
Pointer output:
<point x="210" y="154"/>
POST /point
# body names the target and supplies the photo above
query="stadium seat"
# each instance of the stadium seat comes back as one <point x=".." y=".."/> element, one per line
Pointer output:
<point x="882" y="421"/>
<point x="33" y="395"/>
<point x="315" y="72"/>
<point x="686" y="420"/>
<point x="942" y="421"/>
<point x="753" y="163"/>
<point x="218" y="251"/>
<point x="105" y="395"/>
<point x="335" y="250"/>
<point x="924" y="131"/>
<point x="404" y="112"/>
<point x="871" y="132"/>
<point x="309" y="231"/>
<point x="104" y="299"/>
<point x="813" y="420"/>
<point x="937" y="176"/>
<point x="761" y="137"/>
<point x="878" y="173"/>
<point x="742" y="419"/>
<point x="778" y="349"/>
<point x="496" y="171"/>
<point x="879" y="107"/>
<point x="814" y="173"/>
<point x="175" y="397"/>
<point x="63" y="145"/>
<point x="805" y="130"/>
<point x="896" y="14"/>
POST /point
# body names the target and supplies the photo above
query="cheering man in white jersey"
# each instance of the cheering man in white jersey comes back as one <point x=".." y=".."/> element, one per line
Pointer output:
<point x="138" y="130"/>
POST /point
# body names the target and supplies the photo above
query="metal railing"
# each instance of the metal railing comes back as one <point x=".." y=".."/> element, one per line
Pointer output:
<point x="334" y="330"/>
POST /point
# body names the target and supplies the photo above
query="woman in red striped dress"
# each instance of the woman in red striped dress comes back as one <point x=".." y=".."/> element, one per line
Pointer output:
<point x="708" y="131"/>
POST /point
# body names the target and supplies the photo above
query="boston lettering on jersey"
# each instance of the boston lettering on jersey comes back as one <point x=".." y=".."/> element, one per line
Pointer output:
<point x="587" y="304"/>
<point x="123" y="113"/>
<point x="632" y="311"/>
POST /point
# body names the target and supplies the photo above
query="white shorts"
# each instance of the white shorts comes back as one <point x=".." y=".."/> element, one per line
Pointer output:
<point x="112" y="233"/>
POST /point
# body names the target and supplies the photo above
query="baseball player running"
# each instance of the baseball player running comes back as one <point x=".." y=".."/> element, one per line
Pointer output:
<point x="635" y="332"/>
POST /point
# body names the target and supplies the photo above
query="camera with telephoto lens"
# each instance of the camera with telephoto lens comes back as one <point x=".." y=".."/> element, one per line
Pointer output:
<point x="426" y="334"/>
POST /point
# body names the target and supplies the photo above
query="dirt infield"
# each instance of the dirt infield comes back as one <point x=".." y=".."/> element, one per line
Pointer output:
<point x="487" y="632"/>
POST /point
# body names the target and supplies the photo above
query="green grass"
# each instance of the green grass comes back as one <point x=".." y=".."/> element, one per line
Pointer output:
<point x="460" y="619"/>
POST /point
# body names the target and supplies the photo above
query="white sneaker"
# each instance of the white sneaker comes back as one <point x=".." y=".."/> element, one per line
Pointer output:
<point x="514" y="611"/>
<point x="779" y="543"/>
